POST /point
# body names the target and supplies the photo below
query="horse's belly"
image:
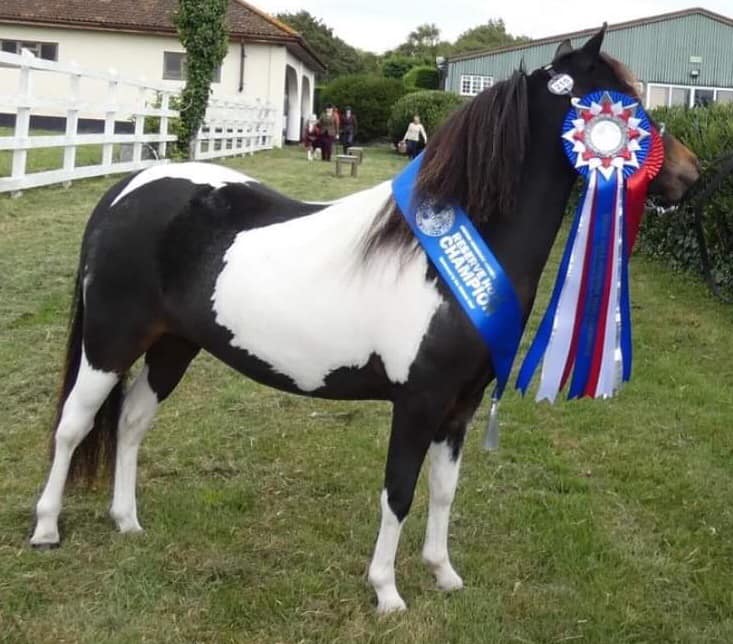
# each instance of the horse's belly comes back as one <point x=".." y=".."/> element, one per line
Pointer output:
<point x="299" y="297"/>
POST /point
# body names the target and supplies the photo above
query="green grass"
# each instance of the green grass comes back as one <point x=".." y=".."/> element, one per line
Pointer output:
<point x="597" y="521"/>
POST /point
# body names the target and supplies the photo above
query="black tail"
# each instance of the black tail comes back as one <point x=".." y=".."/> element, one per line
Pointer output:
<point x="96" y="453"/>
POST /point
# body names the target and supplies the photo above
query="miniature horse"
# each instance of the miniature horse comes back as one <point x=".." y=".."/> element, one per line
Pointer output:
<point x="331" y="300"/>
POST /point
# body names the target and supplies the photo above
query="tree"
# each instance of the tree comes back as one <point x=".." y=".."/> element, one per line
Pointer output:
<point x="491" y="35"/>
<point x="340" y="58"/>
<point x="203" y="35"/>
<point x="423" y="43"/>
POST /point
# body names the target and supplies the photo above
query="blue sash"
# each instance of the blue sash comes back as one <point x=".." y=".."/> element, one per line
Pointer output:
<point x="468" y="267"/>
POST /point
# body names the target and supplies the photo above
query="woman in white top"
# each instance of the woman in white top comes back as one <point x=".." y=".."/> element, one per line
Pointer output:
<point x="412" y="137"/>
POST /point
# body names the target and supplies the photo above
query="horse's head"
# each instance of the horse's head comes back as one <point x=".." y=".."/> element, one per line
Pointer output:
<point x="592" y="70"/>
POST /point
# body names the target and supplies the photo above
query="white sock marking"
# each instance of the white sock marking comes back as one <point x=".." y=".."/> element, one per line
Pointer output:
<point x="297" y="295"/>
<point x="198" y="173"/>
<point x="89" y="392"/>
<point x="443" y="481"/>
<point x="138" y="410"/>
<point x="381" y="570"/>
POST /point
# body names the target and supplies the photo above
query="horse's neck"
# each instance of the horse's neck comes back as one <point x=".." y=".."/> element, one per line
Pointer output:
<point x="523" y="240"/>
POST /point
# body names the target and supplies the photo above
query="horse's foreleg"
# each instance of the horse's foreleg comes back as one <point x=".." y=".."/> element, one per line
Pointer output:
<point x="165" y="363"/>
<point x="408" y="444"/>
<point x="90" y="390"/>
<point x="445" y="461"/>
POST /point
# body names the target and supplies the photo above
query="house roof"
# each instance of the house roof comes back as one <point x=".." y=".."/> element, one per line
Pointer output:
<point x="589" y="32"/>
<point x="244" y="22"/>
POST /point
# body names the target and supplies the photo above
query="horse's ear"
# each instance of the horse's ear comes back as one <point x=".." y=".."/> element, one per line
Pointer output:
<point x="563" y="49"/>
<point x="593" y="46"/>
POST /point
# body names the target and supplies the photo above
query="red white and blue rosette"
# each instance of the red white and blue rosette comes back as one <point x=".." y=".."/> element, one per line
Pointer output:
<point x="585" y="334"/>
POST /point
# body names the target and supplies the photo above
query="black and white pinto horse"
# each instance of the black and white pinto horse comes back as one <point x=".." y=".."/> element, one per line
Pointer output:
<point x="330" y="300"/>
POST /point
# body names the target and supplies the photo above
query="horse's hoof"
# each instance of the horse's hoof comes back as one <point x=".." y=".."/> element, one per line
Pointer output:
<point x="391" y="605"/>
<point x="42" y="547"/>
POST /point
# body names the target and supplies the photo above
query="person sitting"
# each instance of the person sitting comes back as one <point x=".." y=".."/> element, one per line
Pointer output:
<point x="311" y="136"/>
<point x="415" y="131"/>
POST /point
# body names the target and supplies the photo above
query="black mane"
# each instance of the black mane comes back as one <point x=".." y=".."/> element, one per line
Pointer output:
<point x="474" y="160"/>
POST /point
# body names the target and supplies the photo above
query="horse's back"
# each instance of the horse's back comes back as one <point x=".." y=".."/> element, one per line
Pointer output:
<point x="159" y="226"/>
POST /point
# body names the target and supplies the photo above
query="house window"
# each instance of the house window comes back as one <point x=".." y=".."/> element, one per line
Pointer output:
<point x="679" y="96"/>
<point x="472" y="84"/>
<point x="658" y="96"/>
<point x="174" y="67"/>
<point x="686" y="96"/>
<point x="45" y="50"/>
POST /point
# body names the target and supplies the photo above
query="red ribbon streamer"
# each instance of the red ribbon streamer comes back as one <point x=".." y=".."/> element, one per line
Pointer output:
<point x="636" y="188"/>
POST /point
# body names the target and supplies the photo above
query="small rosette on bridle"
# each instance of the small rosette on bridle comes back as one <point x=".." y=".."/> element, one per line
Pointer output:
<point x="585" y="334"/>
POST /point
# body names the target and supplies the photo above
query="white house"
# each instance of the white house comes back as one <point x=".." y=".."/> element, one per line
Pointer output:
<point x="266" y="59"/>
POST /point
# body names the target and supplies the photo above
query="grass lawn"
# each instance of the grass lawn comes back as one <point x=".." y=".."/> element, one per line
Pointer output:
<point x="597" y="521"/>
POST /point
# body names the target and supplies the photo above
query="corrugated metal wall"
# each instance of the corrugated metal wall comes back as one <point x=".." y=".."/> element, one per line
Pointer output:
<point x="658" y="53"/>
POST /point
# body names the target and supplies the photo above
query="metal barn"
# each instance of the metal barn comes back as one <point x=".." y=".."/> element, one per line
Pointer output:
<point x="682" y="58"/>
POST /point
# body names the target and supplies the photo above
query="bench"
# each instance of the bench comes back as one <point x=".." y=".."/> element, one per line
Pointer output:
<point x="344" y="160"/>
<point x="357" y="152"/>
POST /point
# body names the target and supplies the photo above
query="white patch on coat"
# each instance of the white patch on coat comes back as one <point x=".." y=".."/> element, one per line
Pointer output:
<point x="381" y="569"/>
<point x="136" y="417"/>
<point x="443" y="481"/>
<point x="198" y="173"/>
<point x="298" y="295"/>
<point x="90" y="390"/>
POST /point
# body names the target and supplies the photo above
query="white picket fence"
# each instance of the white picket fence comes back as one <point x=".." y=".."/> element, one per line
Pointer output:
<point x="231" y="127"/>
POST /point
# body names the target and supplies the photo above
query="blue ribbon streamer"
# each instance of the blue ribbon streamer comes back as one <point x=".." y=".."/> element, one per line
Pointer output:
<point x="544" y="331"/>
<point x="626" y="343"/>
<point x="463" y="260"/>
<point x="597" y="272"/>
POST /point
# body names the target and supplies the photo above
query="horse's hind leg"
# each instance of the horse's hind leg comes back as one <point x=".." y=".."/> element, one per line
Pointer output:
<point x="89" y="392"/>
<point x="165" y="363"/>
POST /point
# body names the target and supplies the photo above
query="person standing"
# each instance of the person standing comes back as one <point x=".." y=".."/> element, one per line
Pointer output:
<point x="348" y="128"/>
<point x="328" y="124"/>
<point x="415" y="131"/>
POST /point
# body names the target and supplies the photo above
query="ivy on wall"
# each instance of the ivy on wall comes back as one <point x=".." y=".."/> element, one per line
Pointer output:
<point x="201" y="28"/>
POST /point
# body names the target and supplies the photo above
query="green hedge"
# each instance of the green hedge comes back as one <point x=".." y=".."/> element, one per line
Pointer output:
<point x="708" y="131"/>
<point x="371" y="98"/>
<point x="432" y="106"/>
<point x="422" y="77"/>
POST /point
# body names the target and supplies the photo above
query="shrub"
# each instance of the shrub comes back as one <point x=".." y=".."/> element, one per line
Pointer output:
<point x="371" y="98"/>
<point x="708" y="131"/>
<point x="397" y="65"/>
<point x="422" y="77"/>
<point x="432" y="106"/>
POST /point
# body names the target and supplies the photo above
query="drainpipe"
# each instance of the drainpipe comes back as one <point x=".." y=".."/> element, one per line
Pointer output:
<point x="242" y="56"/>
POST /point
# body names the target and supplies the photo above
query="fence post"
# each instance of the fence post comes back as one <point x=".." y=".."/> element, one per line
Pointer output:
<point x="72" y="124"/>
<point x="163" y="144"/>
<point x="22" y="119"/>
<point x="137" y="146"/>
<point x="109" y="120"/>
